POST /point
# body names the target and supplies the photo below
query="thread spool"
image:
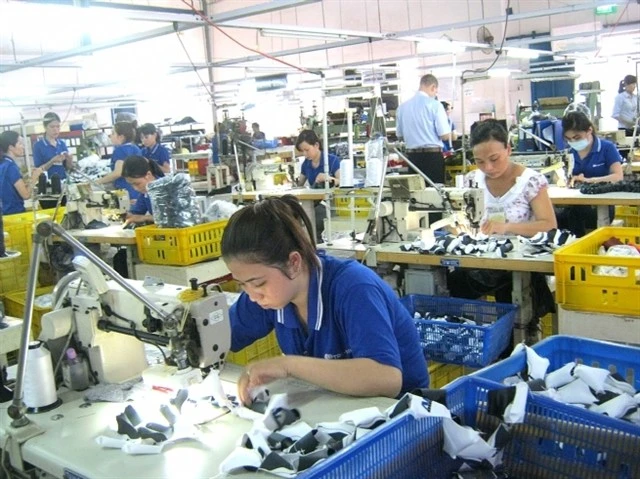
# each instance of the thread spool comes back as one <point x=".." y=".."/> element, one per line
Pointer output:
<point x="42" y="184"/>
<point x="346" y="173"/>
<point x="39" y="382"/>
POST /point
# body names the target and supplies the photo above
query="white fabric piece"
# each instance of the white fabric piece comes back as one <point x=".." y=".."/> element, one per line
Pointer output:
<point x="594" y="377"/>
<point x="213" y="386"/>
<point x="239" y="459"/>
<point x="336" y="426"/>
<point x="421" y="407"/>
<point x="560" y="377"/>
<point x="137" y="448"/>
<point x="258" y="438"/>
<point x="514" y="413"/>
<point x="536" y="365"/>
<point x="362" y="417"/>
<point x="616" y="407"/>
<point x="576" y="392"/>
<point x="464" y="442"/>
<point x="550" y="393"/>
<point x="613" y="385"/>
<point x="511" y="380"/>
<point x="296" y="430"/>
<point x="277" y="401"/>
<point x="111" y="442"/>
<point x="246" y="413"/>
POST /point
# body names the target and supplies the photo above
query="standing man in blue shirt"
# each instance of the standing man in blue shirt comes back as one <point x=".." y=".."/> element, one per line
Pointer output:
<point x="153" y="150"/>
<point x="338" y="324"/>
<point x="423" y="124"/>
<point x="50" y="152"/>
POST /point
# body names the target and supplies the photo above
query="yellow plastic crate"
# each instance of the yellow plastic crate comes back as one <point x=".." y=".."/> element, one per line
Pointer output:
<point x="442" y="374"/>
<point x="20" y="227"/>
<point x="579" y="286"/>
<point x="546" y="325"/>
<point x="179" y="246"/>
<point x="361" y="202"/>
<point x="629" y="215"/>
<point x="14" y="306"/>
<point x="13" y="274"/>
<point x="264" y="348"/>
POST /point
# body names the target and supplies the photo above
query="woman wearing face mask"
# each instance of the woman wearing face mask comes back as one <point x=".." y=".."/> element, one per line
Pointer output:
<point x="595" y="161"/>
<point x="139" y="172"/>
<point x="625" y="107"/>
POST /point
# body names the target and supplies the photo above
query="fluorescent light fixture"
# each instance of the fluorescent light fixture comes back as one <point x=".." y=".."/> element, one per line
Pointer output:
<point x="439" y="45"/>
<point x="355" y="91"/>
<point x="299" y="35"/>
<point x="546" y="76"/>
<point x="521" y="53"/>
<point x="23" y="91"/>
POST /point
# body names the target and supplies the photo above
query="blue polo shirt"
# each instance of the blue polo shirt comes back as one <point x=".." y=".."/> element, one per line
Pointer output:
<point x="142" y="205"/>
<point x="598" y="162"/>
<point x="120" y="153"/>
<point x="12" y="202"/>
<point x="445" y="144"/>
<point x="312" y="173"/>
<point x="421" y="121"/>
<point x="157" y="153"/>
<point x="352" y="314"/>
<point x="43" y="151"/>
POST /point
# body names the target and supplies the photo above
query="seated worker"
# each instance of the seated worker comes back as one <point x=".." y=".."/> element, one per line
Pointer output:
<point x="313" y="172"/>
<point x="50" y="153"/>
<point x="122" y="137"/>
<point x="153" y="150"/>
<point x="139" y="171"/>
<point x="516" y="203"/>
<point x="595" y="161"/>
<point x="338" y="324"/>
<point x="13" y="189"/>
<point x="257" y="134"/>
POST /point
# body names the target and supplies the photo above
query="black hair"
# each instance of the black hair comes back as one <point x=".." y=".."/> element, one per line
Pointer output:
<point x="126" y="129"/>
<point x="445" y="105"/>
<point x="488" y="130"/>
<point x="428" y="80"/>
<point x="49" y="118"/>
<point x="577" y="121"/>
<point x="136" y="166"/>
<point x="256" y="125"/>
<point x="267" y="232"/>
<point x="150" y="129"/>
<point x="626" y="81"/>
<point x="8" y="138"/>
<point x="309" y="137"/>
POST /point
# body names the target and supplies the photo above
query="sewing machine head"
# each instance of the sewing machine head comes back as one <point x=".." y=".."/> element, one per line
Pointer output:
<point x="86" y="203"/>
<point x="110" y="325"/>
<point x="412" y="203"/>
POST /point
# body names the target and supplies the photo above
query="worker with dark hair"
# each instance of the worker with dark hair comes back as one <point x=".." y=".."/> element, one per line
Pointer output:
<point x="139" y="171"/>
<point x="152" y="149"/>
<point x="50" y="152"/>
<point x="338" y="324"/>
<point x="625" y="107"/>
<point x="257" y="134"/>
<point x="13" y="189"/>
<point x="123" y="137"/>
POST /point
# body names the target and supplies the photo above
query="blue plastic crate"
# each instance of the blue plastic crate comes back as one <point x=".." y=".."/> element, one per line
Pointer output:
<point x="559" y="350"/>
<point x="473" y="346"/>
<point x="555" y="441"/>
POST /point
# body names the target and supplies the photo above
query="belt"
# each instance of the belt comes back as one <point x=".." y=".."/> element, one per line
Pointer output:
<point x="426" y="149"/>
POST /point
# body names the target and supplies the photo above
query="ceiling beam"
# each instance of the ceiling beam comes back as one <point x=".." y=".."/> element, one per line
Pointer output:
<point x="273" y="5"/>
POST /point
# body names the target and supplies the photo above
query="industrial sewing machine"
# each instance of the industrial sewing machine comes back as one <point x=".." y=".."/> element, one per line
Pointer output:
<point x="265" y="175"/>
<point x="410" y="204"/>
<point x="86" y="204"/>
<point x="109" y="325"/>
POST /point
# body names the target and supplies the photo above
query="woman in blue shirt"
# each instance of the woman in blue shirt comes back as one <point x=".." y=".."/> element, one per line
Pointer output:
<point x="338" y="324"/>
<point x="13" y="189"/>
<point x="139" y="172"/>
<point x="122" y="137"/>
<point x="50" y="152"/>
<point x="313" y="172"/>
<point x="595" y="161"/>
<point x="153" y="150"/>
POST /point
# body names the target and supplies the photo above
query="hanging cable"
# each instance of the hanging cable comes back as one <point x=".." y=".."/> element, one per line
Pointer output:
<point x="266" y="55"/>
<point x="499" y="52"/>
<point x="73" y="99"/>
<point x="195" y="69"/>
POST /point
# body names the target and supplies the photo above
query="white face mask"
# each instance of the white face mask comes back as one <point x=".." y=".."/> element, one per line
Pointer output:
<point x="579" y="145"/>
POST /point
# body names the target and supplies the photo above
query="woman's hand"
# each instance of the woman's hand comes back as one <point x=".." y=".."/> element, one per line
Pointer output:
<point x="322" y="177"/>
<point x="493" y="228"/>
<point x="261" y="373"/>
<point x="580" y="179"/>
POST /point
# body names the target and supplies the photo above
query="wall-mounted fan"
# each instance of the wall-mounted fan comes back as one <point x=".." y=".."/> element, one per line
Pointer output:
<point x="484" y="35"/>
